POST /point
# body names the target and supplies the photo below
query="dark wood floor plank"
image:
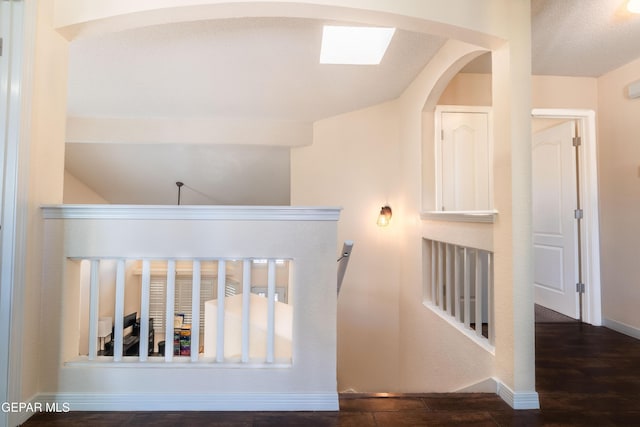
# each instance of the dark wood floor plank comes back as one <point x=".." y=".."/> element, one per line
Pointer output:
<point x="585" y="375"/>
<point x="435" y="418"/>
<point x="381" y="404"/>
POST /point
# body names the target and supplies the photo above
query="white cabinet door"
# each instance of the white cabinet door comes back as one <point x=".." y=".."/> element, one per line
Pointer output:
<point x="464" y="162"/>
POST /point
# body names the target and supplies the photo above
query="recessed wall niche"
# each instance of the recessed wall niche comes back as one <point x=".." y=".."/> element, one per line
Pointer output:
<point x="457" y="175"/>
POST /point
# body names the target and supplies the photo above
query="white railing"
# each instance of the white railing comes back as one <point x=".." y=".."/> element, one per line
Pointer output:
<point x="260" y="284"/>
<point x="459" y="285"/>
<point x="241" y="323"/>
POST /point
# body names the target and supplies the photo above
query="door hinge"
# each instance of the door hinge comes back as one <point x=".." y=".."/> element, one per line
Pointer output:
<point x="578" y="214"/>
<point x="442" y="134"/>
<point x="1" y="46"/>
<point x="577" y="141"/>
<point x="580" y="288"/>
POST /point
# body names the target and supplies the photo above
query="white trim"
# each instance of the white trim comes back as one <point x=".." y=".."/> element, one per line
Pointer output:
<point x="481" y="341"/>
<point x="518" y="399"/>
<point x="21" y="417"/>
<point x="194" y="212"/>
<point x="15" y="142"/>
<point x="589" y="189"/>
<point x="623" y="328"/>
<point x="488" y="385"/>
<point x="194" y="401"/>
<point x="176" y="362"/>
<point x="488" y="217"/>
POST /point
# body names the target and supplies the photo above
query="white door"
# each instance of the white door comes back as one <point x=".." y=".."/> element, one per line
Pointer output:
<point x="554" y="224"/>
<point x="464" y="161"/>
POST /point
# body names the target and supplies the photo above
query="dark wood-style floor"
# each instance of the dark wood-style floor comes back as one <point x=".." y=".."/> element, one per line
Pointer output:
<point x="586" y="376"/>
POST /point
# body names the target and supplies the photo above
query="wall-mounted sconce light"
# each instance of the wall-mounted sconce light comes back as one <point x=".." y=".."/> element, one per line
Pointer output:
<point x="385" y="216"/>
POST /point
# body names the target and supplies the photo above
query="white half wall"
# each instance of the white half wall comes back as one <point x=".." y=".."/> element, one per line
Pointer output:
<point x="307" y="236"/>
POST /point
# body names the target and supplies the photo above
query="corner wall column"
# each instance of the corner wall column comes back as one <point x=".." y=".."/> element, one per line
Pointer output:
<point x="515" y="350"/>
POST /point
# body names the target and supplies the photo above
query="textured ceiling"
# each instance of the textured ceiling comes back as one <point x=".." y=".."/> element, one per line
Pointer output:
<point x="582" y="37"/>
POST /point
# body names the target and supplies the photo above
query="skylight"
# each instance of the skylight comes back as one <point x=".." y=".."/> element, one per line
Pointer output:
<point x="354" y="45"/>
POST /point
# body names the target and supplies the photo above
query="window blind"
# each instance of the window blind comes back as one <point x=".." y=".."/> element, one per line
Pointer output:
<point x="183" y="292"/>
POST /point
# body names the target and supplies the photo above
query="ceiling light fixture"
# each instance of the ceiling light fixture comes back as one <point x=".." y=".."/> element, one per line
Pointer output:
<point x="633" y="6"/>
<point x="179" y="184"/>
<point x="354" y="45"/>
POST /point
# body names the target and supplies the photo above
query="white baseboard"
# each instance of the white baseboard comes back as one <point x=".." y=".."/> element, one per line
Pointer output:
<point x="17" y="413"/>
<point x="194" y="402"/>
<point x="17" y="418"/>
<point x="488" y="385"/>
<point x="622" y="328"/>
<point x="519" y="400"/>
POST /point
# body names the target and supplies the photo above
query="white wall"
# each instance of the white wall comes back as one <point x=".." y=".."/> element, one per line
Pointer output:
<point x="434" y="356"/>
<point x="77" y="192"/>
<point x="546" y="91"/>
<point x="354" y="160"/>
<point x="46" y="84"/>
<point x="354" y="163"/>
<point x="564" y="92"/>
<point x="510" y="234"/>
<point x="380" y="275"/>
<point x="619" y="173"/>
<point x="468" y="89"/>
<point x="14" y="117"/>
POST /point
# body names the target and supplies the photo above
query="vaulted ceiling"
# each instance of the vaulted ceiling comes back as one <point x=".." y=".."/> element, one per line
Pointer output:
<point x="253" y="67"/>
<point x="201" y="87"/>
<point x="253" y="81"/>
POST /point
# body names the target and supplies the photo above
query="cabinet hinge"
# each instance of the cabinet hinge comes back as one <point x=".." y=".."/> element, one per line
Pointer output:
<point x="577" y="141"/>
<point x="578" y="214"/>
<point x="580" y="288"/>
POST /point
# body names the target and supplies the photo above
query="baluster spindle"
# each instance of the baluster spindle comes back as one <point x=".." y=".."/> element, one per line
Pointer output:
<point x="246" y="299"/>
<point x="222" y="278"/>
<point x="271" y="310"/>
<point x="169" y="312"/>
<point x="94" y="295"/>
<point x="195" y="311"/>
<point x="143" y="333"/>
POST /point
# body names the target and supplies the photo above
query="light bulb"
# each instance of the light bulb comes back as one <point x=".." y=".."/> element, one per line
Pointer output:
<point x="385" y="216"/>
<point x="633" y="6"/>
